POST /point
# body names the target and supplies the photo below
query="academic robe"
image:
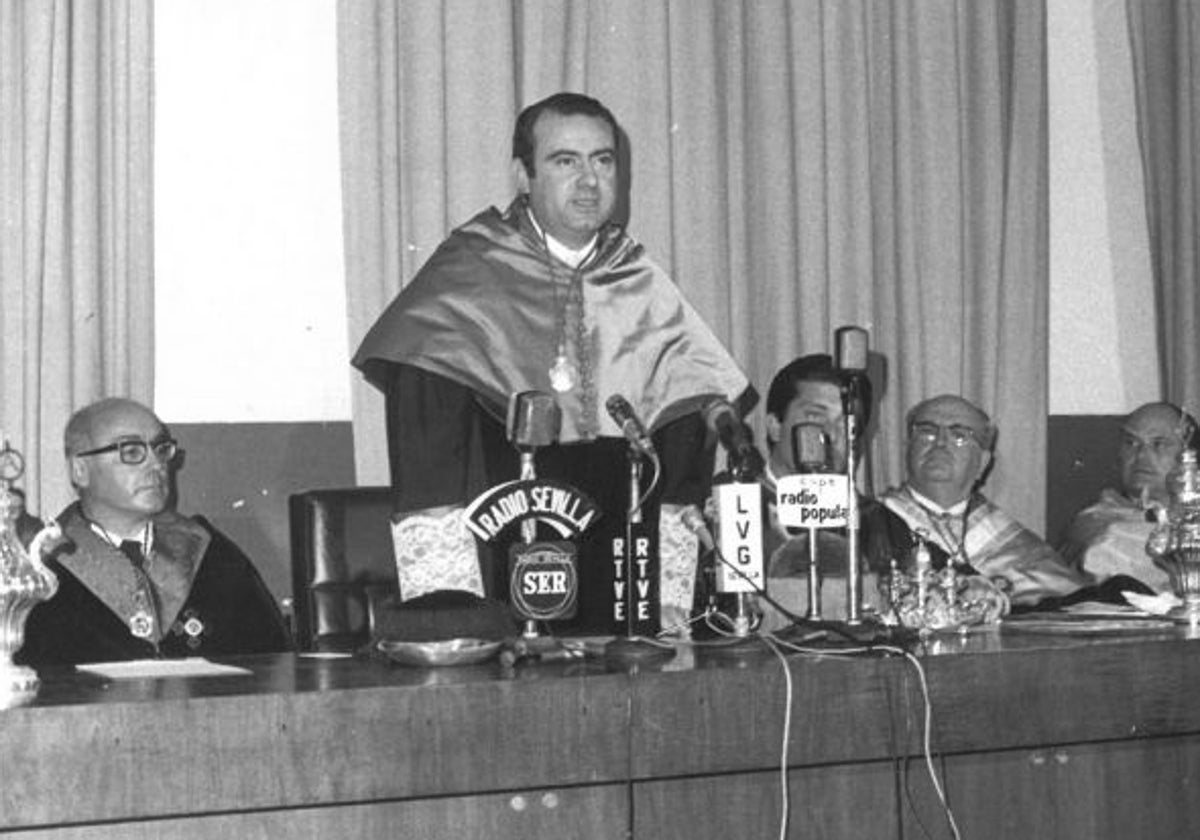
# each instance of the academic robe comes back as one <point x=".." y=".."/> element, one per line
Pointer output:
<point x="211" y="601"/>
<point x="485" y="319"/>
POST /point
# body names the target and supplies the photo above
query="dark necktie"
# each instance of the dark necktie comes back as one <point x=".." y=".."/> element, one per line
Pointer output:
<point x="133" y="550"/>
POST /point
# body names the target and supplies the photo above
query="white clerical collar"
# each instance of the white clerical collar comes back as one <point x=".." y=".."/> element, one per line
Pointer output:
<point x="957" y="509"/>
<point x="145" y="539"/>
<point x="573" y="257"/>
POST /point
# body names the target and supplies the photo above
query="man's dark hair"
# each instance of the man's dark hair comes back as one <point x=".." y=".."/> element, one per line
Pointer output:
<point x="564" y="104"/>
<point x="815" y="367"/>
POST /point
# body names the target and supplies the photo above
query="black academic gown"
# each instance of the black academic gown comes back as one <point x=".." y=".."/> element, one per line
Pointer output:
<point x="226" y="609"/>
<point x="464" y="451"/>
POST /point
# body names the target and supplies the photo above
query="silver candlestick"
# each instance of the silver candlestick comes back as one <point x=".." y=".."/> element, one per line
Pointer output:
<point x="1175" y="543"/>
<point x="24" y="582"/>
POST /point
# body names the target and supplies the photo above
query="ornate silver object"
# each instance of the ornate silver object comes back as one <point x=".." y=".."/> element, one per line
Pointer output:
<point x="940" y="601"/>
<point x="24" y="582"/>
<point x="563" y="374"/>
<point x="1175" y="544"/>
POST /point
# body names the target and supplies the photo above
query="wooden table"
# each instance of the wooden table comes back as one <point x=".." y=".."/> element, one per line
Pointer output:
<point x="1036" y="736"/>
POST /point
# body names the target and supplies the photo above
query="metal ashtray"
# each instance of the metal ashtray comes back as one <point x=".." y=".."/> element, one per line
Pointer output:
<point x="445" y="652"/>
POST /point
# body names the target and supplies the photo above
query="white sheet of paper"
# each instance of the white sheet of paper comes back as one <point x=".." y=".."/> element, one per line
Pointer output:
<point x="142" y="668"/>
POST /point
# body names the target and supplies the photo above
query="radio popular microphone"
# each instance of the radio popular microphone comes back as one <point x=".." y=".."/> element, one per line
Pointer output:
<point x="534" y="419"/>
<point x="810" y="448"/>
<point x="722" y="419"/>
<point x="622" y="414"/>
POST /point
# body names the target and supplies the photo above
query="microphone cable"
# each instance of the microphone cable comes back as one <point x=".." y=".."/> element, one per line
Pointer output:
<point x="655" y="476"/>
<point x="777" y="646"/>
<point x="827" y="626"/>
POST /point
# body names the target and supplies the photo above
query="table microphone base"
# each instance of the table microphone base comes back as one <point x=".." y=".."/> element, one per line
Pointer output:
<point x="867" y="632"/>
<point x="632" y="650"/>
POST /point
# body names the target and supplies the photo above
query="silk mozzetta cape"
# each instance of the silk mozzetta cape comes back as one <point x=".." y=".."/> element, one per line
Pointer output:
<point x="994" y="544"/>
<point x="485" y="312"/>
<point x="1109" y="538"/>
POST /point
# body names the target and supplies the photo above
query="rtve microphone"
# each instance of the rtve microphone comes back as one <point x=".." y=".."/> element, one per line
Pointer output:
<point x="622" y="414"/>
<point x="534" y="419"/>
<point x="723" y="420"/>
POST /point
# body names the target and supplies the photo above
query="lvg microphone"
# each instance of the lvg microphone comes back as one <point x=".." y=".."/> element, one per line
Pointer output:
<point x="745" y="461"/>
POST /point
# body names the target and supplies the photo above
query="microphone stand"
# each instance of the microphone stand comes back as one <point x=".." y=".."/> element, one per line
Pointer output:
<point x="814" y="578"/>
<point x="528" y="529"/>
<point x="632" y="649"/>
<point x="803" y="462"/>
<point x="853" y="554"/>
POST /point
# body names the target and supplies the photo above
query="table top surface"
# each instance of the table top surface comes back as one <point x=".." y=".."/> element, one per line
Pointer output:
<point x="299" y="672"/>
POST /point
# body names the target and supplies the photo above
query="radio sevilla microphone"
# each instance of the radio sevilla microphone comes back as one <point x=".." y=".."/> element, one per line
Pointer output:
<point x="723" y="420"/>
<point x="534" y="419"/>
<point x="622" y="414"/>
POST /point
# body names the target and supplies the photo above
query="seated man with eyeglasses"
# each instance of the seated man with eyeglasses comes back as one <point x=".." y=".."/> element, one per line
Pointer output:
<point x="949" y="450"/>
<point x="137" y="580"/>
<point x="1109" y="537"/>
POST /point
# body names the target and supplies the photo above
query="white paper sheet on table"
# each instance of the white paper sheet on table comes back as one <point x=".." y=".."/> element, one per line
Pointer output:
<point x="1159" y="604"/>
<point x="142" y="668"/>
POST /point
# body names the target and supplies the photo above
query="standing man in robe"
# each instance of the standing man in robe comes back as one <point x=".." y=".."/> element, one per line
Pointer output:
<point x="548" y="295"/>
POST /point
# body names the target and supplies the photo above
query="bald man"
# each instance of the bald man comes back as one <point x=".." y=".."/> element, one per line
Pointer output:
<point x="136" y="579"/>
<point x="1109" y="537"/>
<point x="949" y="449"/>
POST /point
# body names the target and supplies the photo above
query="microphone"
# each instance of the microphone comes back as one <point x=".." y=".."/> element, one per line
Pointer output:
<point x="739" y="559"/>
<point x="853" y="345"/>
<point x="534" y="419"/>
<point x="852" y="349"/>
<point x="852" y="361"/>
<point x="622" y="414"/>
<point x="722" y="419"/>
<point x="810" y="448"/>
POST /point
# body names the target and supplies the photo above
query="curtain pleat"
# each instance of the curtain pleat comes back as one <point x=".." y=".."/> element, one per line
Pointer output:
<point x="797" y="166"/>
<point x="1165" y="38"/>
<point x="76" y="246"/>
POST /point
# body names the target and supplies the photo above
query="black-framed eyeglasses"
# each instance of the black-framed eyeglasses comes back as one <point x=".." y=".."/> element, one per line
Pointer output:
<point x="133" y="451"/>
<point x="957" y="434"/>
